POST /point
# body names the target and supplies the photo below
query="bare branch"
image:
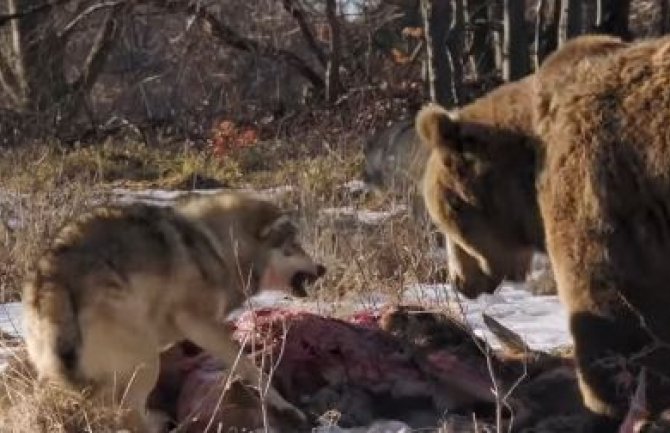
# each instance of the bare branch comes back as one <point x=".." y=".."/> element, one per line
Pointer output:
<point x="69" y="27"/>
<point x="8" y="80"/>
<point x="46" y="7"/>
<point x="104" y="41"/>
<point x="297" y="13"/>
<point x="213" y="26"/>
<point x="437" y="15"/>
<point x="515" y="47"/>
<point x="333" y="69"/>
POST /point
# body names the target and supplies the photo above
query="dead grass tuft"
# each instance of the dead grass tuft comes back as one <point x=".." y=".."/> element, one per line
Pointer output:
<point x="29" y="219"/>
<point x="42" y="186"/>
<point x="26" y="407"/>
<point x="41" y="166"/>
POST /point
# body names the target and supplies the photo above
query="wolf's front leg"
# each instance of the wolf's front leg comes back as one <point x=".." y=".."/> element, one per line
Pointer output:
<point x="217" y="339"/>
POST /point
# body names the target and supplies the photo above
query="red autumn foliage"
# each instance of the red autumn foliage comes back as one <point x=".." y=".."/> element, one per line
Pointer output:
<point x="228" y="137"/>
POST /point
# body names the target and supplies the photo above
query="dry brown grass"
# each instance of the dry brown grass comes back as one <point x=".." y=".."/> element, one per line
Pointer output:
<point x="26" y="407"/>
<point x="43" y="186"/>
<point x="30" y="219"/>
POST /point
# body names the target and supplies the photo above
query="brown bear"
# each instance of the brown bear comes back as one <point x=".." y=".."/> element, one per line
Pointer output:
<point x="479" y="181"/>
<point x="604" y="196"/>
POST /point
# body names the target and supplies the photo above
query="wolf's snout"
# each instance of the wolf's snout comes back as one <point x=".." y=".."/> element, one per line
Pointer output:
<point x="301" y="279"/>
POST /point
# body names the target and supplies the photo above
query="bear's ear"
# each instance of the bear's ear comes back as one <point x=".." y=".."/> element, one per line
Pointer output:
<point x="437" y="127"/>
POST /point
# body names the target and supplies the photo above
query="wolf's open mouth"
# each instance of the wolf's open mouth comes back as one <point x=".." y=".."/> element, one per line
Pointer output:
<point x="299" y="281"/>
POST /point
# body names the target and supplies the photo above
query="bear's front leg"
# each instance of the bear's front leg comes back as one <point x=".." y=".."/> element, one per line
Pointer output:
<point x="607" y="351"/>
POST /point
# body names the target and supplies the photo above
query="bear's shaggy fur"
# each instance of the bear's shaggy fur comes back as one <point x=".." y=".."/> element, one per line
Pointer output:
<point x="479" y="181"/>
<point x="604" y="196"/>
<point x="478" y="186"/>
<point x="552" y="76"/>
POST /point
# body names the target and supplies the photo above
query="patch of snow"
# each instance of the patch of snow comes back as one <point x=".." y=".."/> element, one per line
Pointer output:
<point x="10" y="318"/>
<point x="269" y="298"/>
<point x="376" y="427"/>
<point x="356" y="186"/>
<point x="14" y="223"/>
<point x="10" y="323"/>
<point x="541" y="321"/>
<point x="162" y="197"/>
<point x="364" y="216"/>
<point x="540" y="262"/>
<point x="11" y="204"/>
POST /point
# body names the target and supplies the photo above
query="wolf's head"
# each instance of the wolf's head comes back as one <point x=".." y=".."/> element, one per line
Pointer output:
<point x="288" y="265"/>
<point x="260" y="237"/>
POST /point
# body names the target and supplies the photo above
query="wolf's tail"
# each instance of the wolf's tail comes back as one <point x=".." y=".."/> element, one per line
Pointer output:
<point x="53" y="336"/>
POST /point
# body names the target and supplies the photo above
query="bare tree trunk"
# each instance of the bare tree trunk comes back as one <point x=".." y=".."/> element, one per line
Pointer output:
<point x="32" y="72"/>
<point x="515" y="43"/>
<point x="589" y="15"/>
<point x="8" y="78"/>
<point x="436" y="17"/>
<point x="496" y="17"/>
<point x="333" y="85"/>
<point x="612" y="17"/>
<point x="95" y="61"/>
<point x="546" y="28"/>
<point x="224" y="33"/>
<point x="455" y="43"/>
<point x="37" y="57"/>
<point x="540" y="24"/>
<point x="664" y="19"/>
<point x="551" y="36"/>
<point x="481" y="53"/>
<point x="293" y="8"/>
<point x="570" y="23"/>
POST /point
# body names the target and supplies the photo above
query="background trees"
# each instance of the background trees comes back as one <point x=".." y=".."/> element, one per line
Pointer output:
<point x="72" y="67"/>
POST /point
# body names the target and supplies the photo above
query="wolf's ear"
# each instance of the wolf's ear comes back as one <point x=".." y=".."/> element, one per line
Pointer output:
<point x="438" y="128"/>
<point x="277" y="231"/>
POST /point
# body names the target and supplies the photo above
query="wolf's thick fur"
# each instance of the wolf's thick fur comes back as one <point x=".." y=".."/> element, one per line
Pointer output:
<point x="120" y="284"/>
<point x="394" y="162"/>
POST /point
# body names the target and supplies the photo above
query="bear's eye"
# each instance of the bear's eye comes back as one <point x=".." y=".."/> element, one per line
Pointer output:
<point x="470" y="144"/>
<point x="453" y="201"/>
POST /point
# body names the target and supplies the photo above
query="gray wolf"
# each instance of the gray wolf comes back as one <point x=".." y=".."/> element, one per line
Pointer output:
<point x="118" y="285"/>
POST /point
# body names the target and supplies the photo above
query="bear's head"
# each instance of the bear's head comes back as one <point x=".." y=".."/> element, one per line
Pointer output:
<point x="479" y="188"/>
